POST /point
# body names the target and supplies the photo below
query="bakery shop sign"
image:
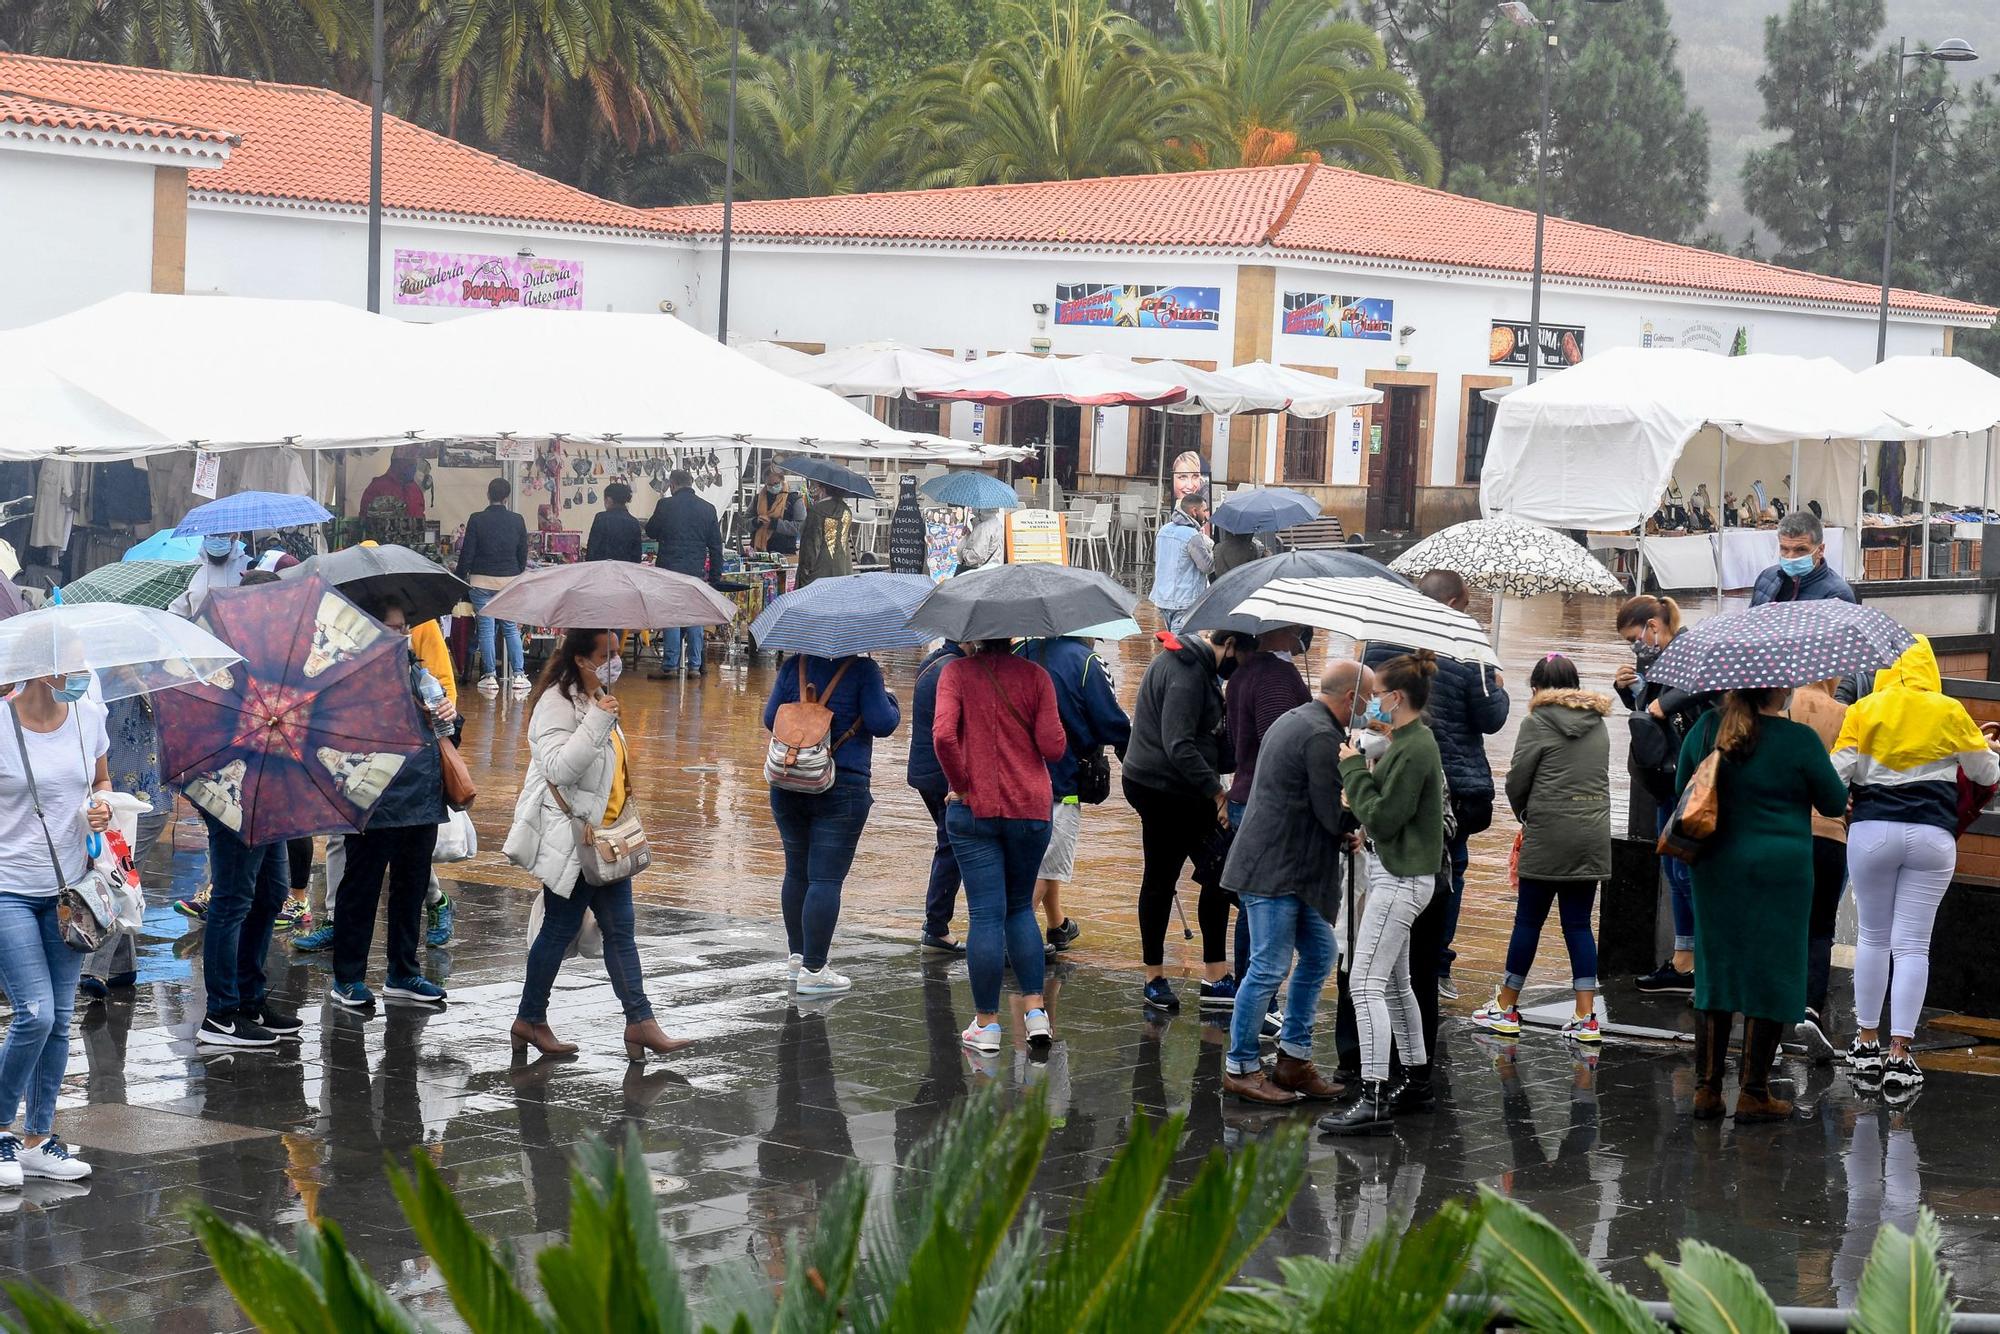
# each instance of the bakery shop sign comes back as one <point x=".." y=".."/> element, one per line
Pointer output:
<point x="487" y="282"/>
<point x="1562" y="344"/>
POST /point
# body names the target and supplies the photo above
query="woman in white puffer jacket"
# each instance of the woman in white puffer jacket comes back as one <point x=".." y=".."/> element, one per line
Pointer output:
<point x="576" y="748"/>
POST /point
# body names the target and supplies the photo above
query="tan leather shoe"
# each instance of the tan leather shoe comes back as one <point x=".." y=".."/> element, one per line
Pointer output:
<point x="1304" y="1079"/>
<point x="1257" y="1087"/>
<point x="539" y="1036"/>
<point x="648" y="1036"/>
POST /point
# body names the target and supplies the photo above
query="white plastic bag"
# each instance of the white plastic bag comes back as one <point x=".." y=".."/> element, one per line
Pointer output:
<point x="111" y="854"/>
<point x="457" y="840"/>
<point x="589" y="940"/>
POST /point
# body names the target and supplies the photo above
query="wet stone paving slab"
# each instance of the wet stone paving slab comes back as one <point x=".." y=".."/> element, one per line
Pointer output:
<point x="746" y="1131"/>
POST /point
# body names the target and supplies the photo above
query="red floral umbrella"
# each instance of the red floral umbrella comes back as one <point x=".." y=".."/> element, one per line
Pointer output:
<point x="304" y="735"/>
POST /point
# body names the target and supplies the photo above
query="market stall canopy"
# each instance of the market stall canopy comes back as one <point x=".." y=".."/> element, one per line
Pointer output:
<point x="1307" y="395"/>
<point x="1091" y="380"/>
<point x="777" y="357"/>
<point x="1937" y="396"/>
<point x="47" y="415"/>
<point x="1213" y="391"/>
<point x="1594" y="446"/>
<point x="887" y="369"/>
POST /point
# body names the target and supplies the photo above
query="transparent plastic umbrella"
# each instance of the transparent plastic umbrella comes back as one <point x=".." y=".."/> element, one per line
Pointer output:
<point x="133" y="650"/>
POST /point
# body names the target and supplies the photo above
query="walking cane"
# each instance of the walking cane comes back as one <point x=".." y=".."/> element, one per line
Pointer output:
<point x="1187" y="932"/>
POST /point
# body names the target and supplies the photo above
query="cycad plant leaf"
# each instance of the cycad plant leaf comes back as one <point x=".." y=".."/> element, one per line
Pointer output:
<point x="482" y="1291"/>
<point x="270" y="1287"/>
<point x="1010" y="1278"/>
<point x="1549" y="1286"/>
<point x="42" y="1312"/>
<point x="1406" y="1282"/>
<point x="1104" y="1234"/>
<point x="1715" y="1293"/>
<point x="1903" y="1290"/>
<point x="654" y="1256"/>
<point x="737" y="1299"/>
<point x="577" y="1275"/>
<point x="820" y="1271"/>
<point x="354" y="1301"/>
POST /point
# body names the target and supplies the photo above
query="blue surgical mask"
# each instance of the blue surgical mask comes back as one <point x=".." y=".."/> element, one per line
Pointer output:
<point x="1797" y="566"/>
<point x="1377" y="714"/>
<point x="73" y="687"/>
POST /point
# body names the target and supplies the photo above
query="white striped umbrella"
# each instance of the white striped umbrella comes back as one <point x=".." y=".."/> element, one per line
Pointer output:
<point x="1371" y="609"/>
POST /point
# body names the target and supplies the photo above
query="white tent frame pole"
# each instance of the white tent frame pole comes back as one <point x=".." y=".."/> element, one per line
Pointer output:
<point x="1721" y="510"/>
<point x="1792" y="495"/>
<point x="1924" y="499"/>
<point x="1639" y="578"/>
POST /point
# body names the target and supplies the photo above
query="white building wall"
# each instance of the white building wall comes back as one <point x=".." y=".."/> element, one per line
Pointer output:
<point x="76" y="230"/>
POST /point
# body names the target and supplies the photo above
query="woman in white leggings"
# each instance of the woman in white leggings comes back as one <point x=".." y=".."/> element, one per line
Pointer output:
<point x="1901" y="750"/>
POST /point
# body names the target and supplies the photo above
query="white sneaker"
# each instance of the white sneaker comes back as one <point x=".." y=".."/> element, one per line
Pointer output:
<point x="10" y="1162"/>
<point x="824" y="982"/>
<point x="793" y="963"/>
<point x="488" y="682"/>
<point x="521" y="681"/>
<point x="1036" y="1025"/>
<point x="984" y="1039"/>
<point x="51" y="1158"/>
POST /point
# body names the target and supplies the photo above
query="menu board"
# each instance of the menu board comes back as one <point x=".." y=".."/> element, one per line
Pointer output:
<point x="1037" y="537"/>
<point x="906" y="530"/>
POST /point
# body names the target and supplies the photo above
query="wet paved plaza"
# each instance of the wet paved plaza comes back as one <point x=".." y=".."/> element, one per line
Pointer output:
<point x="746" y="1131"/>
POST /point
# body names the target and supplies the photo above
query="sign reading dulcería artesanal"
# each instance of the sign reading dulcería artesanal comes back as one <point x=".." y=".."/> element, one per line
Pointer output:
<point x="1136" y="306"/>
<point x="487" y="282"/>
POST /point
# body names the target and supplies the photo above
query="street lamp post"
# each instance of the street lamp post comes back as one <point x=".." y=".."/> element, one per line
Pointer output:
<point x="1955" y="51"/>
<point x="728" y="180"/>
<point x="375" y="165"/>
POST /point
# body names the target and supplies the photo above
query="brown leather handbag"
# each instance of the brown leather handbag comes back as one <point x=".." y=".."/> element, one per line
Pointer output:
<point x="459" y="789"/>
<point x="1697" y="816"/>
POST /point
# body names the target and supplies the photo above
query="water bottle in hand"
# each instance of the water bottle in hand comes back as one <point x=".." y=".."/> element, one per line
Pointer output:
<point x="433" y="696"/>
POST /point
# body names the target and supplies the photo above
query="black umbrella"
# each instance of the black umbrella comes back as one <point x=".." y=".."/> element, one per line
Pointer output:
<point x="828" y="473"/>
<point x="367" y="574"/>
<point x="1216" y="610"/>
<point x="1020" y="602"/>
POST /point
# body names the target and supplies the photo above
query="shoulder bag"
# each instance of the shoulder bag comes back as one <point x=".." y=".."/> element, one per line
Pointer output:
<point x="613" y="852"/>
<point x="87" y="911"/>
<point x="1697" y="815"/>
<point x="459" y="789"/>
<point x="800" y="758"/>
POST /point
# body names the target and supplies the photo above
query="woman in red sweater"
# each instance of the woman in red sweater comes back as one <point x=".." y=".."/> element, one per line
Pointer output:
<point x="996" y="732"/>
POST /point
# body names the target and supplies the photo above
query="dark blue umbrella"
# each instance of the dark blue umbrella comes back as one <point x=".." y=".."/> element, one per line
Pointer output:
<point x="1216" y="610"/>
<point x="972" y="490"/>
<point x="1266" y="510"/>
<point x="854" y="613"/>
<point x="252" y="511"/>
<point x="1780" y="644"/>
<point x="828" y="473"/>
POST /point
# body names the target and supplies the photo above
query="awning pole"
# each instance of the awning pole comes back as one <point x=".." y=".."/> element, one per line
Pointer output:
<point x="1924" y="499"/>
<point x="1639" y="580"/>
<point x="1792" y="497"/>
<point x="1721" y="511"/>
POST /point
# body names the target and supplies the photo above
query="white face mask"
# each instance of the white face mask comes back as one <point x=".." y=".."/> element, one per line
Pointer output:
<point x="610" y="670"/>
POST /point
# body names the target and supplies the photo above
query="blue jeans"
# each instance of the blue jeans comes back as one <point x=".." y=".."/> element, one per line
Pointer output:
<point x="670" y="648"/>
<point x="1572" y="899"/>
<point x="39" y="974"/>
<point x="999" y="860"/>
<point x="1283" y="925"/>
<point x="820" y="834"/>
<point x="1680" y="888"/>
<point x="510" y="631"/>
<point x="941" y="895"/>
<point x="247" y="888"/>
<point x="562" y="918"/>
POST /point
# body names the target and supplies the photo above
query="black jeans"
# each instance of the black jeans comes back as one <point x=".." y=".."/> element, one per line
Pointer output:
<point x="1172" y="828"/>
<point x="941" y="896"/>
<point x="405" y="853"/>
<point x="1427" y="935"/>
<point x="300" y="853"/>
<point x="1829" y="883"/>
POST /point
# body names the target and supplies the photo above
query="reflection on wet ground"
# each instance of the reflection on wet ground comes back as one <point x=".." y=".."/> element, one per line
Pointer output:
<point x="747" y="1130"/>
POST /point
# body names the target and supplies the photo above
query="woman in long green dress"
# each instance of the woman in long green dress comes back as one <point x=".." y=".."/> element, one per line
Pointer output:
<point x="1753" y="887"/>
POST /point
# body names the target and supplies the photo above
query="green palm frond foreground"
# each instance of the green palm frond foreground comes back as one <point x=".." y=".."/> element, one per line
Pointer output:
<point x="956" y="1246"/>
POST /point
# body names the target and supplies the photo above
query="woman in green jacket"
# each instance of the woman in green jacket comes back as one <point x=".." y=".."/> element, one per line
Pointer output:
<point x="1560" y="788"/>
<point x="1753" y="889"/>
<point x="1400" y="803"/>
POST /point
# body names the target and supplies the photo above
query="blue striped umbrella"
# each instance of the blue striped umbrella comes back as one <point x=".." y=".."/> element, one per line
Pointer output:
<point x="855" y="613"/>
<point x="252" y="511"/>
<point x="972" y="490"/>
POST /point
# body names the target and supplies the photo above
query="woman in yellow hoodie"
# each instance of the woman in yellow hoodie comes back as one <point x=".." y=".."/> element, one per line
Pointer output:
<point x="1901" y="751"/>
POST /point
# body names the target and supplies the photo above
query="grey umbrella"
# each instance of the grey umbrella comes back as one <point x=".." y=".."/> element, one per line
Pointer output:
<point x="828" y="473"/>
<point x="1216" y="610"/>
<point x="369" y="574"/>
<point x="1021" y="602"/>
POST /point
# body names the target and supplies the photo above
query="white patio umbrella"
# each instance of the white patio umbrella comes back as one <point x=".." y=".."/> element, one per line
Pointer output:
<point x="1307" y="395"/>
<point x="776" y="356"/>
<point x="887" y="369"/>
<point x="1506" y="556"/>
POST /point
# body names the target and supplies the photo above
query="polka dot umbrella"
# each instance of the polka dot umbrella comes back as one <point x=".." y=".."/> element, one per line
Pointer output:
<point x="1781" y="644"/>
<point x="1509" y="556"/>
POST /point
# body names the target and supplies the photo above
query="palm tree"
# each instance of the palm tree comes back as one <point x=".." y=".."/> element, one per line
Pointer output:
<point x="803" y="128"/>
<point x="1301" y="84"/>
<point x="288" y="40"/>
<point x="1082" y="91"/>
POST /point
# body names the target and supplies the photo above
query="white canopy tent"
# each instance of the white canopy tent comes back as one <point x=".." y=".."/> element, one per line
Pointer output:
<point x="776" y="356"/>
<point x="1954" y="407"/>
<point x="46" y="415"/>
<point x="881" y="369"/>
<point x="1306" y="394"/>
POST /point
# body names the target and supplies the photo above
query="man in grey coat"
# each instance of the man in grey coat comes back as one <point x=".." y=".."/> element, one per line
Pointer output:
<point x="1286" y="866"/>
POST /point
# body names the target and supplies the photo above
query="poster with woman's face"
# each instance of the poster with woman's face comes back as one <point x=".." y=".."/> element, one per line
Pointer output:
<point x="1190" y="475"/>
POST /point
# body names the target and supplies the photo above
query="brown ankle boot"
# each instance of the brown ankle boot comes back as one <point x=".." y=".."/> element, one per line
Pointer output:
<point x="1711" y="1059"/>
<point x="647" y="1036"/>
<point x="1760" y="1048"/>
<point x="1258" y="1087"/>
<point x="539" y="1036"/>
<point x="1304" y="1079"/>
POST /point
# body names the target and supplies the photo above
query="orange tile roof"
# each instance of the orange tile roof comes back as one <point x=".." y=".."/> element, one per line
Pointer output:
<point x="311" y="145"/>
<point x="46" y="113"/>
<point x="1309" y="209"/>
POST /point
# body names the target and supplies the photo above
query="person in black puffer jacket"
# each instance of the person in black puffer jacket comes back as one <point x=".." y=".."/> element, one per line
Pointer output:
<point x="690" y="538"/>
<point x="1173" y="778"/>
<point x="1468" y="704"/>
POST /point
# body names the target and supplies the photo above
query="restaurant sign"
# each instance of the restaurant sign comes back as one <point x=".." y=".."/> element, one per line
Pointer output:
<point x="1562" y="344"/>
<point x="487" y="282"/>
<point x="1133" y="306"/>
<point x="1320" y="315"/>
